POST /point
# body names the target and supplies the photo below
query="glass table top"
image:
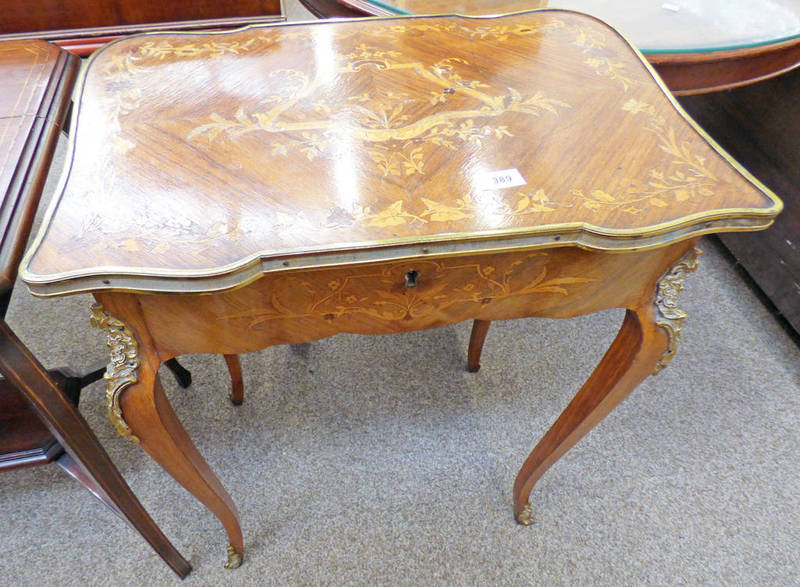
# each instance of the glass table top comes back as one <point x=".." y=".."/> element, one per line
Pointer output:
<point x="655" y="26"/>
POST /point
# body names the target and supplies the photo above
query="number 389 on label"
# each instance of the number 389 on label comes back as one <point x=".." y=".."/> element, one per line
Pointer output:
<point x="504" y="178"/>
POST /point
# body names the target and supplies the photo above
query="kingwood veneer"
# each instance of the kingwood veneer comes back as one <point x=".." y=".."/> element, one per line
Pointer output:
<point x="227" y="192"/>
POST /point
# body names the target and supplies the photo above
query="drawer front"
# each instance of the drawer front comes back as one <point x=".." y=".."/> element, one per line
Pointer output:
<point x="402" y="296"/>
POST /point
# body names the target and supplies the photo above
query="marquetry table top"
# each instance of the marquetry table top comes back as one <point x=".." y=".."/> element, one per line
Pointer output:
<point x="200" y="161"/>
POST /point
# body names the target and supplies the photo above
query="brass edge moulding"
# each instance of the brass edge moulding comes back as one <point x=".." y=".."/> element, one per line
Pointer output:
<point x="241" y="274"/>
<point x="122" y="368"/>
<point x="668" y="315"/>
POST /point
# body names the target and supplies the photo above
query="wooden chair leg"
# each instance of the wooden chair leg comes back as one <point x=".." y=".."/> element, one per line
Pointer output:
<point x="237" y="385"/>
<point x="85" y="457"/>
<point x="182" y="375"/>
<point x="479" y="330"/>
<point x="634" y="354"/>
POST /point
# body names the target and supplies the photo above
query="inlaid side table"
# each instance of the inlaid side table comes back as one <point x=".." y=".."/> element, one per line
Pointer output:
<point x="227" y="192"/>
<point x="39" y="418"/>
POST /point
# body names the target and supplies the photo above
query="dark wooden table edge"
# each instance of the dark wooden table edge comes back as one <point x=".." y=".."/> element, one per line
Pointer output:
<point x="333" y="9"/>
<point x="695" y="73"/>
<point x="87" y="40"/>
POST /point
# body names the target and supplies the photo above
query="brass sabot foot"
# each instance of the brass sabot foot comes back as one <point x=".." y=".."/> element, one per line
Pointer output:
<point x="234" y="558"/>
<point x="525" y="517"/>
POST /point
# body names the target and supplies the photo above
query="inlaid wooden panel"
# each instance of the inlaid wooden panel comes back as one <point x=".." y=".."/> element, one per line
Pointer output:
<point x="198" y="154"/>
<point x="376" y="298"/>
<point x="36" y="81"/>
<point x="26" y="69"/>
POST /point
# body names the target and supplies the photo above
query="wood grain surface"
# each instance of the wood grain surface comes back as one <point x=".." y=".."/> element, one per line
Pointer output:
<point x="44" y="15"/>
<point x="27" y="69"/>
<point x="713" y="71"/>
<point x="304" y="306"/>
<point x="370" y="135"/>
<point x="83" y="26"/>
<point x="24" y="439"/>
<point x="34" y="96"/>
<point x="37" y="79"/>
<point x="384" y="176"/>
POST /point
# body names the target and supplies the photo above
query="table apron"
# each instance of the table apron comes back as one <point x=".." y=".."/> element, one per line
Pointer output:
<point x="377" y="298"/>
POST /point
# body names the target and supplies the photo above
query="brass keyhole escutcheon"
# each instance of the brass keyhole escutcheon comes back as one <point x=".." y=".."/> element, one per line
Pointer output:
<point x="411" y="278"/>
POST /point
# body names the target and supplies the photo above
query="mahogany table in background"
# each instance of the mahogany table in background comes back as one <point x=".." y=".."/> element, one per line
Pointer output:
<point x="760" y="125"/>
<point x="386" y="176"/>
<point x="37" y="81"/>
<point x="39" y="419"/>
<point x="82" y="26"/>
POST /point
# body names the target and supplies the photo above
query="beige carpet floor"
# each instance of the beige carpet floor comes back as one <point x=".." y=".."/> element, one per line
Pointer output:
<point x="380" y="460"/>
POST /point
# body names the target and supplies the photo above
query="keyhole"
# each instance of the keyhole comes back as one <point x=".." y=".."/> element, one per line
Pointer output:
<point x="411" y="278"/>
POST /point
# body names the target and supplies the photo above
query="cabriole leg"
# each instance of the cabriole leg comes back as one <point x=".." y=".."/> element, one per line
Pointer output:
<point x="645" y="343"/>
<point x="141" y="412"/>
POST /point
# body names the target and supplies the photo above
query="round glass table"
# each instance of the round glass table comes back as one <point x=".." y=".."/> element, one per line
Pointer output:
<point x="696" y="45"/>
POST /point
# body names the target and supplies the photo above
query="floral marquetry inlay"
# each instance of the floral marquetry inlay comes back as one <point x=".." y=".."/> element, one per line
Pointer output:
<point x="381" y="294"/>
<point x="387" y="126"/>
<point x="203" y="154"/>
